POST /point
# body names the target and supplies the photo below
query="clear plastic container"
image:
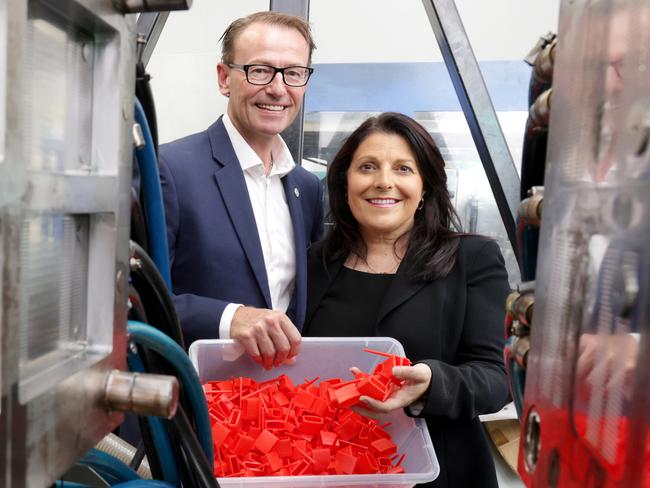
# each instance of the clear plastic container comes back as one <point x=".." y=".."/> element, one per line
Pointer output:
<point x="328" y="358"/>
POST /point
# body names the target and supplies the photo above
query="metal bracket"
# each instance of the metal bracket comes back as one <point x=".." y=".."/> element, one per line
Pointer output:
<point x="475" y="101"/>
<point x="292" y="135"/>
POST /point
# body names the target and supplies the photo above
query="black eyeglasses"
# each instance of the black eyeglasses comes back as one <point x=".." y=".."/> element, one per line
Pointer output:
<point x="263" y="74"/>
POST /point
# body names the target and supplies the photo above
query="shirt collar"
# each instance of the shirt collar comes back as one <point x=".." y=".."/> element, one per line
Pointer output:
<point x="282" y="160"/>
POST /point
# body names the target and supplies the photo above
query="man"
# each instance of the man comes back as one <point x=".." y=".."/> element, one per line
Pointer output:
<point x="240" y="214"/>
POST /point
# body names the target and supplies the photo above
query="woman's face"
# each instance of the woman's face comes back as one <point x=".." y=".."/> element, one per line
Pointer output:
<point x="384" y="186"/>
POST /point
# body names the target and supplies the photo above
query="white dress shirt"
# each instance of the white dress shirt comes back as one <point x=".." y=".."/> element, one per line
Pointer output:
<point x="272" y="217"/>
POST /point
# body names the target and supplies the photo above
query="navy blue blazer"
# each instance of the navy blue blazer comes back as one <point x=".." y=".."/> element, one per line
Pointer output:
<point x="214" y="248"/>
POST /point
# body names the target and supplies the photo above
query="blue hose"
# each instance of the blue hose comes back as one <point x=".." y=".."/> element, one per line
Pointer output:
<point x="144" y="484"/>
<point x="518" y="382"/>
<point x="152" y="193"/>
<point x="108" y="467"/>
<point x="126" y="484"/>
<point x="154" y="339"/>
<point x="159" y="434"/>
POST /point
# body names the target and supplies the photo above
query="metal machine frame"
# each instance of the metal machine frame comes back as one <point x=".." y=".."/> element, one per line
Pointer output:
<point x="479" y="112"/>
<point x="47" y="175"/>
<point x="586" y="412"/>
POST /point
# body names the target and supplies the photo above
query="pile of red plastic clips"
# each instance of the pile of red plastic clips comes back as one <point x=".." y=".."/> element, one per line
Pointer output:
<point x="275" y="428"/>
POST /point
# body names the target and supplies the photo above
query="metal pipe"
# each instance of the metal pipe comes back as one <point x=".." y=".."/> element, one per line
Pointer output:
<point x="142" y="394"/>
<point x="540" y="110"/>
<point x="531" y="208"/>
<point x="544" y="62"/>
<point x="522" y="308"/>
<point x="149" y="27"/>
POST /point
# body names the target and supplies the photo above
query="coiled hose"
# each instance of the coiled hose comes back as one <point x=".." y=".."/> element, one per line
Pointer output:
<point x="122" y="450"/>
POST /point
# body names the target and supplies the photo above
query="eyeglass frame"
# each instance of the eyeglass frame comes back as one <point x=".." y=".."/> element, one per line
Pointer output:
<point x="245" y="68"/>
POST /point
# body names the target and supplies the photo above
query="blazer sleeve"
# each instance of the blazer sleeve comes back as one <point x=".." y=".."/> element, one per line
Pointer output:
<point x="199" y="316"/>
<point x="476" y="383"/>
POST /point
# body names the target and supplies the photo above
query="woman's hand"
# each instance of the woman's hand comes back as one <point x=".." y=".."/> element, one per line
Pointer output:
<point x="416" y="381"/>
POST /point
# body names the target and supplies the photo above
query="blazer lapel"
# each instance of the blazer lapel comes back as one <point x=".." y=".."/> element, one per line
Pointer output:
<point x="231" y="183"/>
<point x="292" y="193"/>
<point x="399" y="291"/>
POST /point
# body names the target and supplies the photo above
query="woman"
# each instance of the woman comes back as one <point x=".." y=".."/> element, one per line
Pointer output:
<point x="393" y="266"/>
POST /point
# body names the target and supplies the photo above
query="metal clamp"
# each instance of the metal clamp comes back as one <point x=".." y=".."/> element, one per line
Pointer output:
<point x="531" y="208"/>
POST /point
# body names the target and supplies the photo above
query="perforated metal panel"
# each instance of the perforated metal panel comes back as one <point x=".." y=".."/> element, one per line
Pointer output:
<point x="587" y="402"/>
<point x="64" y="227"/>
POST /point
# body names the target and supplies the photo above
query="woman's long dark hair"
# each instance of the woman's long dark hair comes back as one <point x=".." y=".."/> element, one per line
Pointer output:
<point x="435" y="236"/>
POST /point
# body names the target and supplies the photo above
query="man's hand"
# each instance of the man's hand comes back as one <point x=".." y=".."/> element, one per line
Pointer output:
<point x="417" y="379"/>
<point x="268" y="336"/>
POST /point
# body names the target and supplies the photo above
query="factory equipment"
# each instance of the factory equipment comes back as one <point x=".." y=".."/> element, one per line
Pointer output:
<point x="67" y="71"/>
<point x="586" y="411"/>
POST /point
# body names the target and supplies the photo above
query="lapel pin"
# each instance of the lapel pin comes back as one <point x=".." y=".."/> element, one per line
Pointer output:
<point x="296" y="192"/>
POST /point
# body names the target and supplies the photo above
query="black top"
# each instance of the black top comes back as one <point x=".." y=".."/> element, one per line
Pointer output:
<point x="455" y="326"/>
<point x="350" y="305"/>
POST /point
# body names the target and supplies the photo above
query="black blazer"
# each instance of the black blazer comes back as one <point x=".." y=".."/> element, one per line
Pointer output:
<point x="455" y="326"/>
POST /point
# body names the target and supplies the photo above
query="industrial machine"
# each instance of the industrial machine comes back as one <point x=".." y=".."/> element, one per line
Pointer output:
<point x="67" y="85"/>
<point x="579" y="366"/>
<point x="584" y="350"/>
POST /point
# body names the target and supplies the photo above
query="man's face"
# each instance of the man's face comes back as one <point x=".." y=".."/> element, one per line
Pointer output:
<point x="260" y="112"/>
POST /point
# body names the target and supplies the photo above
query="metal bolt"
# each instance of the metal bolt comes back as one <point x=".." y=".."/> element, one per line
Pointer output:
<point x="522" y="308"/>
<point x="520" y="348"/>
<point x="532" y="440"/>
<point x="138" y="136"/>
<point x="518" y="329"/>
<point x="135" y="264"/>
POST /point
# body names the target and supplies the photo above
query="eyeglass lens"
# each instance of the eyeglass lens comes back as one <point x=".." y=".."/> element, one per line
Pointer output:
<point x="293" y="75"/>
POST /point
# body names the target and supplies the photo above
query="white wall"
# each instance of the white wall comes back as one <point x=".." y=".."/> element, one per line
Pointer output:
<point x="399" y="30"/>
<point x="183" y="65"/>
<point x="346" y="31"/>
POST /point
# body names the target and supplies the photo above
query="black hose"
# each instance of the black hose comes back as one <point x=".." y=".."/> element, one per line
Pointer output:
<point x="198" y="464"/>
<point x="138" y="221"/>
<point x="136" y="312"/>
<point x="155" y="363"/>
<point x="185" y="469"/>
<point x="137" y="457"/>
<point x="160" y="313"/>
<point x="154" y="294"/>
<point x="536" y="88"/>
<point x="150" y="449"/>
<point x="533" y="159"/>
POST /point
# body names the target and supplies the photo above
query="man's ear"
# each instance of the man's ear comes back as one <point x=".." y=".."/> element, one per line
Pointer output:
<point x="223" y="76"/>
